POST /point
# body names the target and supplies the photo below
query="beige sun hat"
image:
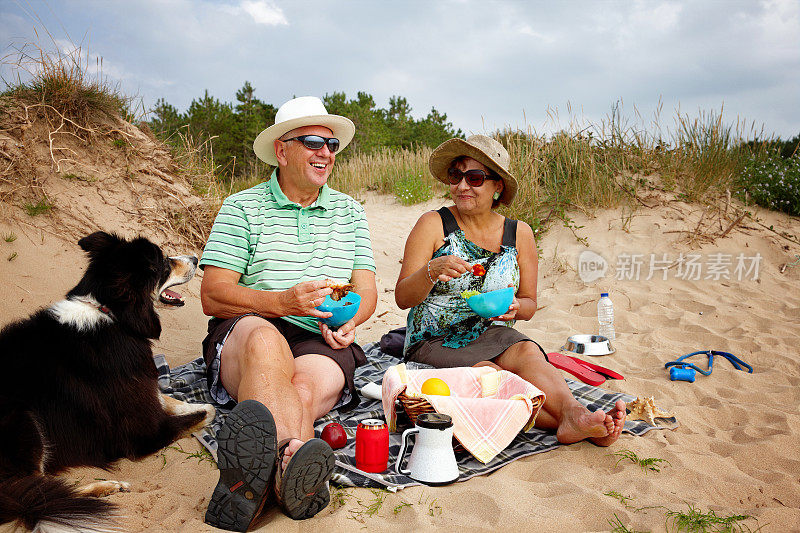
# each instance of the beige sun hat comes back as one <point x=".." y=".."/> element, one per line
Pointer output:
<point x="481" y="148"/>
<point x="296" y="113"/>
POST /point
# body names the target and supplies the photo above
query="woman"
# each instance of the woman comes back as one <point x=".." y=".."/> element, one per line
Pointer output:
<point x="438" y="263"/>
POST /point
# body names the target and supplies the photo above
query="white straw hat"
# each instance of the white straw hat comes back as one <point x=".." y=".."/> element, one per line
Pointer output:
<point x="481" y="148"/>
<point x="296" y="113"/>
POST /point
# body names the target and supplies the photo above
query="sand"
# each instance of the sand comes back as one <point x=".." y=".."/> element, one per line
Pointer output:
<point x="736" y="451"/>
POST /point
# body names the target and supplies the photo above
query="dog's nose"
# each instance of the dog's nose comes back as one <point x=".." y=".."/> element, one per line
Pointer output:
<point x="193" y="260"/>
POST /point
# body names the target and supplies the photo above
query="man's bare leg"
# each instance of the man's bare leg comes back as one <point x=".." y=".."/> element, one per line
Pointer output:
<point x="258" y="364"/>
<point x="319" y="382"/>
<point x="561" y="411"/>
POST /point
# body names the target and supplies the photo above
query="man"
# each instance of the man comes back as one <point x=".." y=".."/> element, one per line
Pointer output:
<point x="269" y="262"/>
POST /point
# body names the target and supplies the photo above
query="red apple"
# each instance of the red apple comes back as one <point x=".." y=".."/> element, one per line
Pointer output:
<point x="334" y="435"/>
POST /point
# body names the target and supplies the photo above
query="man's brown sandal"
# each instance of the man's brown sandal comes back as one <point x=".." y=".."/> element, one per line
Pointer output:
<point x="302" y="488"/>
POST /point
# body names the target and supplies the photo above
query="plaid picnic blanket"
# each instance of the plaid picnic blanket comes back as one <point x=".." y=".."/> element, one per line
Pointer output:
<point x="188" y="383"/>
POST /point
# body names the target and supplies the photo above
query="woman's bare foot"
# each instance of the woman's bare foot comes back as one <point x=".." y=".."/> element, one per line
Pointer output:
<point x="599" y="428"/>
<point x="578" y="423"/>
<point x="617" y="416"/>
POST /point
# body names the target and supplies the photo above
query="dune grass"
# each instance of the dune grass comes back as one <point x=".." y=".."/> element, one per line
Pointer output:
<point x="581" y="167"/>
<point x="402" y="173"/>
<point x="618" y="527"/>
<point x="585" y="166"/>
<point x="44" y="205"/>
<point x="369" y="508"/>
<point x="694" y="520"/>
<point x="647" y="464"/>
<point x="61" y="76"/>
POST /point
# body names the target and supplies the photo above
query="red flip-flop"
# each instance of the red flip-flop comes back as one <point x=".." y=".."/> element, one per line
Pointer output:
<point x="608" y="373"/>
<point x="571" y="365"/>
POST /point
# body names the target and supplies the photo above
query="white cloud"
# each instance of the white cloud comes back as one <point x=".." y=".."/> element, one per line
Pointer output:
<point x="264" y="12"/>
<point x="780" y="26"/>
<point x="485" y="64"/>
<point x="661" y="18"/>
<point x="525" y="29"/>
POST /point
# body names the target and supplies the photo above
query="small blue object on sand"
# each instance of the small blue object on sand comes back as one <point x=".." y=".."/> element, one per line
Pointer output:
<point x="680" y="371"/>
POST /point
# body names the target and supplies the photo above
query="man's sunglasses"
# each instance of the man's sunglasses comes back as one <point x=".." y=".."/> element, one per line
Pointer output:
<point x="315" y="142"/>
<point x="475" y="178"/>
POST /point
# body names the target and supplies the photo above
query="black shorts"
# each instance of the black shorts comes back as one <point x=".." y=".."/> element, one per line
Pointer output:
<point x="488" y="346"/>
<point x="301" y="341"/>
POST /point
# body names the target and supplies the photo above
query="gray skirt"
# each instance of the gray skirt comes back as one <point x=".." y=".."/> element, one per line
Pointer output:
<point x="491" y="343"/>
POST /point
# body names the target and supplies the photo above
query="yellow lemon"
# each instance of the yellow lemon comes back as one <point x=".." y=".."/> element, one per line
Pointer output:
<point x="435" y="386"/>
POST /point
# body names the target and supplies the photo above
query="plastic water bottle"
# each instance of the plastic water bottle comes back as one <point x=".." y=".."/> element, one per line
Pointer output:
<point x="605" y="316"/>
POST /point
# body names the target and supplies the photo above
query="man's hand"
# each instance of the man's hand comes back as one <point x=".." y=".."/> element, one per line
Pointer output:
<point x="303" y="298"/>
<point x="341" y="338"/>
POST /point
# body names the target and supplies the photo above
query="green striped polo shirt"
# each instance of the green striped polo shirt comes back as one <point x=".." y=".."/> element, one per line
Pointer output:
<point x="275" y="243"/>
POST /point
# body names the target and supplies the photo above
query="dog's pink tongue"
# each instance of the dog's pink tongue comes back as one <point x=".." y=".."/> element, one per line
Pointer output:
<point x="171" y="294"/>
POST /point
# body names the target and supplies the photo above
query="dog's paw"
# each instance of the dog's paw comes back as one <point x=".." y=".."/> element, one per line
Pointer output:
<point x="104" y="488"/>
<point x="211" y="413"/>
<point x="122" y="486"/>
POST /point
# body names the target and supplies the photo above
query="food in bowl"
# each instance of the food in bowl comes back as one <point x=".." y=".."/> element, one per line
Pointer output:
<point x="343" y="309"/>
<point x="340" y="290"/>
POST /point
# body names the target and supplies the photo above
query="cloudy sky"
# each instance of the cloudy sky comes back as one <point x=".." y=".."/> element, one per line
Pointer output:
<point x="487" y="64"/>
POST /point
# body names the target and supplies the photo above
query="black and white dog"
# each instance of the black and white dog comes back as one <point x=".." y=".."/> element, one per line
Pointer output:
<point x="81" y="387"/>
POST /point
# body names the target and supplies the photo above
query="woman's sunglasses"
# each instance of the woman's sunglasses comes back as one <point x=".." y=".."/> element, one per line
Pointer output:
<point x="475" y="178"/>
<point x="315" y="142"/>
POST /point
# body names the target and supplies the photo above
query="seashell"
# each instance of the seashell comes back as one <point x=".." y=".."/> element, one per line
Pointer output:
<point x="645" y="409"/>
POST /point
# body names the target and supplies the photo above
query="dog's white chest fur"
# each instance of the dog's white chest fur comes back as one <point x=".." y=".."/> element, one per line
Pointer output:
<point x="82" y="313"/>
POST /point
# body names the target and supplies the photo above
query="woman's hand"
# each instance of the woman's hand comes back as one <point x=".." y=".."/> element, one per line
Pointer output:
<point x="447" y="267"/>
<point x="511" y="313"/>
<point x="341" y="338"/>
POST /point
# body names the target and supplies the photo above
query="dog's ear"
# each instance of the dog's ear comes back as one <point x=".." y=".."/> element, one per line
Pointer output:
<point x="140" y="317"/>
<point x="98" y="241"/>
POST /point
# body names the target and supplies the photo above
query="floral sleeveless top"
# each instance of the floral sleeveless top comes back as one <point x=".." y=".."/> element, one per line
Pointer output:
<point x="444" y="312"/>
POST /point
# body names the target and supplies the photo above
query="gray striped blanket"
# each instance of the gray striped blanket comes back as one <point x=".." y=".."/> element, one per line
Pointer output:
<point x="188" y="383"/>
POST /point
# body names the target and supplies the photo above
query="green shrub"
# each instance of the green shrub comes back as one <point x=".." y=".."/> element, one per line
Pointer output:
<point x="411" y="189"/>
<point x="773" y="182"/>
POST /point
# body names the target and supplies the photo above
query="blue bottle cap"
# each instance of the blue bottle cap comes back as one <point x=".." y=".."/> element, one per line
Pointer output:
<point x="603" y="294"/>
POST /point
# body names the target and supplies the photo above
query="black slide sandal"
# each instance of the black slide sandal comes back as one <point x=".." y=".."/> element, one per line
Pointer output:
<point x="246" y="459"/>
<point x="302" y="489"/>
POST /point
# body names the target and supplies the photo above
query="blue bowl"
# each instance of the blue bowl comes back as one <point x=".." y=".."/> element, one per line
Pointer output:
<point x="343" y="310"/>
<point x="493" y="303"/>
